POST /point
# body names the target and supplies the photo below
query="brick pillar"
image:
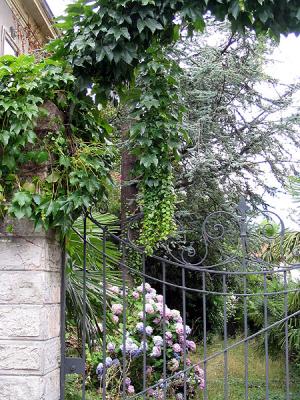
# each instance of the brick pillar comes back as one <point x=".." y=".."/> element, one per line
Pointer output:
<point x="30" y="279"/>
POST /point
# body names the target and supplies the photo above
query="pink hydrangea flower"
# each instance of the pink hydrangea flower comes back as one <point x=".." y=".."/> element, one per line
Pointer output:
<point x="181" y="339"/>
<point x="130" y="389"/>
<point x="127" y="381"/>
<point x="158" y="340"/>
<point x="149" y="298"/>
<point x="168" y="313"/>
<point x="111" y="347"/>
<point x="115" y="289"/>
<point x="160" y="298"/>
<point x="175" y="314"/>
<point x="179" y="328"/>
<point x="147" y="287"/>
<point x="156" y="352"/>
<point x="141" y="315"/>
<point x="117" y="309"/>
<point x="191" y="345"/>
<point x="115" y="319"/>
<point x="159" y="307"/>
<point x="188" y="330"/>
<point x="149" y="309"/>
<point x="135" y="295"/>
<point x="199" y="371"/>
<point x="156" y="321"/>
<point x="168" y="335"/>
<point x="177" y="348"/>
<point x="149" y="330"/>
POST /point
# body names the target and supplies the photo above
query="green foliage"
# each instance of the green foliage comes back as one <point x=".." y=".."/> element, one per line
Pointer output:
<point x="155" y="138"/>
<point x="94" y="277"/>
<point x="158" y="207"/>
<point x="232" y="120"/>
<point x="106" y="40"/>
<point x="50" y="167"/>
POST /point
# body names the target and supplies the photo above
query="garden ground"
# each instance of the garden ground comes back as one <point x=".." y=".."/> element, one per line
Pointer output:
<point x="215" y="371"/>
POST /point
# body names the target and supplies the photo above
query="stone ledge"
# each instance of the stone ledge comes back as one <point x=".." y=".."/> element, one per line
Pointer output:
<point x="30" y="387"/>
<point x="38" y="322"/>
<point x="29" y="358"/>
<point x="23" y="228"/>
<point x="28" y="287"/>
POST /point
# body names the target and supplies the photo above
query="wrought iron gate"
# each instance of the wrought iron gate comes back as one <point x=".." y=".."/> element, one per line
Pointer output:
<point x="170" y="358"/>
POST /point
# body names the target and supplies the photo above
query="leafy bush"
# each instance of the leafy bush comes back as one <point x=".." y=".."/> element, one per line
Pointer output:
<point x="144" y="335"/>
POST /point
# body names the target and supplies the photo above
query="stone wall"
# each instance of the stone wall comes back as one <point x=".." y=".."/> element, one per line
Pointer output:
<point x="30" y="280"/>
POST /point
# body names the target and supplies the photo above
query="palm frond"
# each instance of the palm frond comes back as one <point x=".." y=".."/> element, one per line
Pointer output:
<point x="94" y="276"/>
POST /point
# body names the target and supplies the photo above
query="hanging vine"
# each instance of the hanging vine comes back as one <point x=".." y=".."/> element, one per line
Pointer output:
<point x="108" y="43"/>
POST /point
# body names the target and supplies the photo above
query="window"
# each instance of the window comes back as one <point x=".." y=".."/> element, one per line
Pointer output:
<point x="8" y="45"/>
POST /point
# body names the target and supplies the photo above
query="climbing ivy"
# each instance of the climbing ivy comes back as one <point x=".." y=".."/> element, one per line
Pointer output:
<point x="50" y="167"/>
<point x="108" y="43"/>
<point x="156" y="137"/>
<point x="111" y="42"/>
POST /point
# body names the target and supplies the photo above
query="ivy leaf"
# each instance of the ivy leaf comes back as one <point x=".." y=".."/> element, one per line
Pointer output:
<point x="235" y="9"/>
<point x="19" y="213"/>
<point x="22" y="198"/>
<point x="148" y="160"/>
<point x="9" y="161"/>
<point x="140" y="25"/>
<point x="5" y="137"/>
<point x="53" y="177"/>
<point x="64" y="161"/>
<point x="118" y="32"/>
<point x="153" y="25"/>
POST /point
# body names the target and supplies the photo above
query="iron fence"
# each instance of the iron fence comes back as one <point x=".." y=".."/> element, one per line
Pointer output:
<point x="148" y="349"/>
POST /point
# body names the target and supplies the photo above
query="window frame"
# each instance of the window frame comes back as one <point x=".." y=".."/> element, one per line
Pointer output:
<point x="6" y="37"/>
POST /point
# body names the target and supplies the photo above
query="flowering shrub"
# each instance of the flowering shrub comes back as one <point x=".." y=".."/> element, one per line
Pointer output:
<point x="151" y="328"/>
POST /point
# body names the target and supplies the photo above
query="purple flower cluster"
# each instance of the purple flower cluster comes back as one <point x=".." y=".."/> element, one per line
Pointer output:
<point x="152" y="327"/>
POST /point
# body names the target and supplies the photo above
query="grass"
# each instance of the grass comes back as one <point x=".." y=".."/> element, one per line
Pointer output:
<point x="236" y="381"/>
<point x="256" y="375"/>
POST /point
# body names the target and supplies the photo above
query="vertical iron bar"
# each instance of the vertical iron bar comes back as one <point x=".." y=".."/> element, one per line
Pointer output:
<point x="246" y="345"/>
<point x="204" y="334"/>
<point x="184" y="331"/>
<point x="104" y="313"/>
<point x="286" y="337"/>
<point x="225" y="339"/>
<point x="63" y="322"/>
<point x="243" y="232"/>
<point x="124" y="322"/>
<point x="84" y="303"/>
<point x="144" y="330"/>
<point x="266" y="335"/>
<point x="164" y="328"/>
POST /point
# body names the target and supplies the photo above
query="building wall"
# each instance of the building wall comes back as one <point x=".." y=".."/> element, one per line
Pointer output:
<point x="25" y="24"/>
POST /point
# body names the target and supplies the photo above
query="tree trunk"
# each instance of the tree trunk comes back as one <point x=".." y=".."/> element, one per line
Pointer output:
<point x="129" y="189"/>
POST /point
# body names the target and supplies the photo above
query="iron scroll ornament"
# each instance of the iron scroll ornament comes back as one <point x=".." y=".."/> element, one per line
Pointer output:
<point x="240" y="226"/>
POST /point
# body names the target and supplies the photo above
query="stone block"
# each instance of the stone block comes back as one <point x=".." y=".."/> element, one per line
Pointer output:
<point x="26" y="321"/>
<point x="29" y="357"/>
<point x="36" y="254"/>
<point x="30" y="387"/>
<point x="28" y="287"/>
<point x="20" y="388"/>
